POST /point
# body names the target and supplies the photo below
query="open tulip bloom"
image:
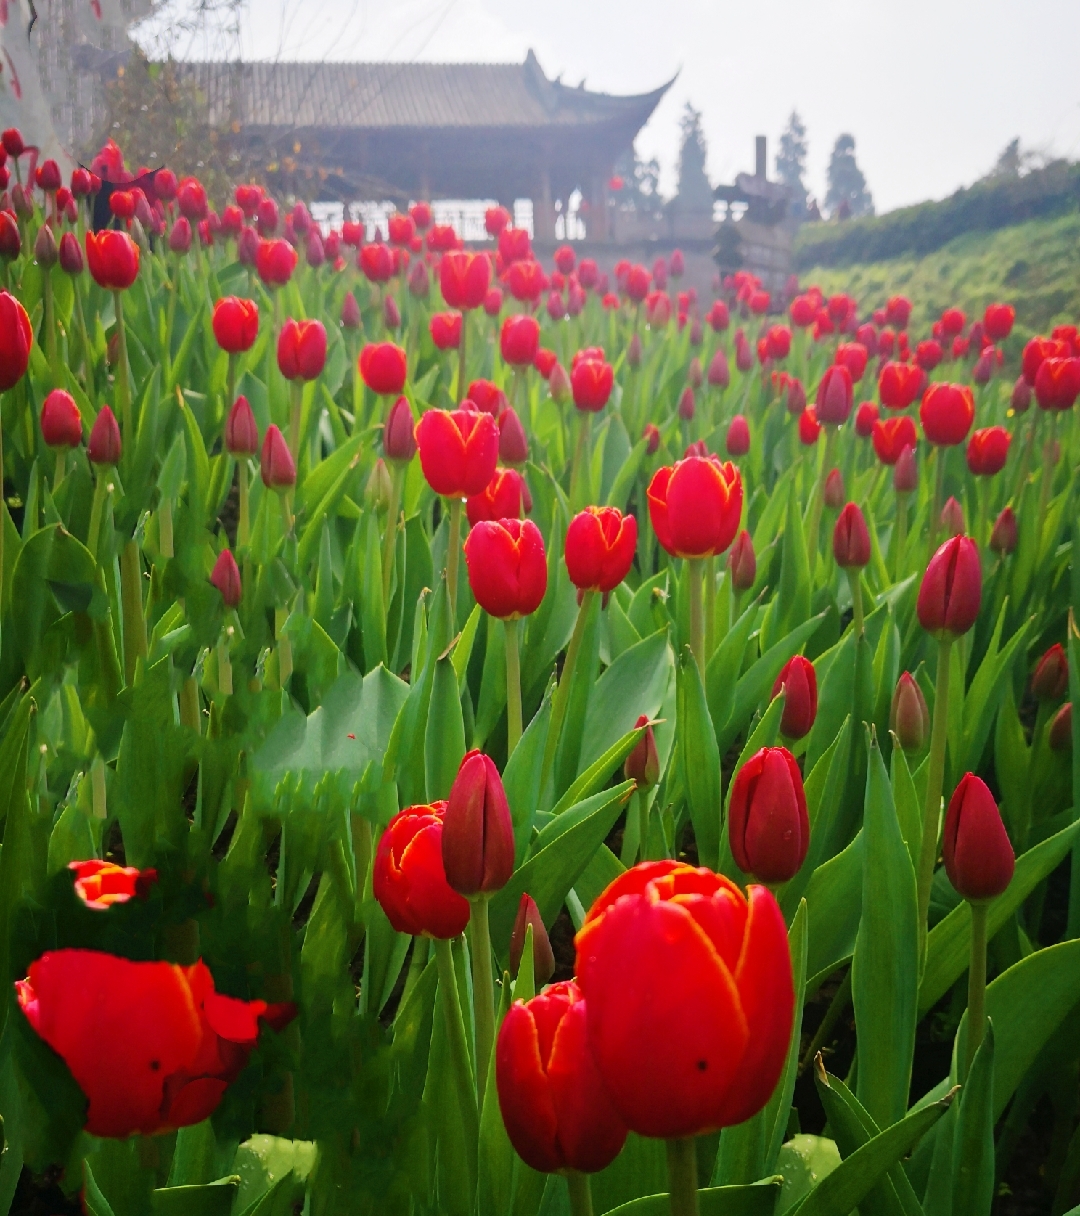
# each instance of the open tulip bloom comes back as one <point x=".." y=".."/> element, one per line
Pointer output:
<point x="752" y="701"/>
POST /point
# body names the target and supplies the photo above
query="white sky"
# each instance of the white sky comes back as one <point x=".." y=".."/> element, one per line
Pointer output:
<point x="932" y="90"/>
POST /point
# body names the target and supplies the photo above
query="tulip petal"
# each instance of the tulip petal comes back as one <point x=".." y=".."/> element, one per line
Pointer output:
<point x="524" y="1096"/>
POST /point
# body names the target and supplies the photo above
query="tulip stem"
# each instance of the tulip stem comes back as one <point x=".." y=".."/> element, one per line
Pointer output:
<point x="935" y="506"/>
<point x="230" y="384"/>
<point x="641" y="797"/>
<point x="461" y="356"/>
<point x="976" y="981"/>
<point x="901" y="535"/>
<point x="459" y="1048"/>
<point x="580" y="1193"/>
<point x="513" y="686"/>
<point x="682" y="1177"/>
<point x="132" y="609"/>
<point x="581" y="456"/>
<point x="1047" y="475"/>
<point x="61" y="468"/>
<point x="97" y="507"/>
<point x="697" y="618"/>
<point x="854" y="574"/>
<point x="453" y="554"/>
<point x="50" y="320"/>
<point x="562" y="692"/>
<point x="296" y="407"/>
<point x="390" y="536"/>
<point x="935" y="775"/>
<point x="224" y="666"/>
<point x="123" y="383"/>
<point x="710" y="605"/>
<point x="483" y="993"/>
<point x="819" y="497"/>
<point x="243" y="526"/>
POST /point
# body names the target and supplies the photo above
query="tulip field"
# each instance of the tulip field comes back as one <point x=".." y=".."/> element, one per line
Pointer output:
<point x="499" y="735"/>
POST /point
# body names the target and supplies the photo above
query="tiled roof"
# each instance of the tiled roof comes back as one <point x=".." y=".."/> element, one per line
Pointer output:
<point x="380" y="96"/>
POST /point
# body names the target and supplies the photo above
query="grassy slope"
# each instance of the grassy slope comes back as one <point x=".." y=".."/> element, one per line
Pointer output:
<point x="1033" y="266"/>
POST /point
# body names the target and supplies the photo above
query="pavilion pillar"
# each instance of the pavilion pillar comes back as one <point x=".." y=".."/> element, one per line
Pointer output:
<point x="544" y="208"/>
<point x="598" y="228"/>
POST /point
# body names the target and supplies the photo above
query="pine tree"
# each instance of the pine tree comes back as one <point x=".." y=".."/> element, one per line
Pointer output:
<point x="695" y="191"/>
<point x="847" y="191"/>
<point x="791" y="163"/>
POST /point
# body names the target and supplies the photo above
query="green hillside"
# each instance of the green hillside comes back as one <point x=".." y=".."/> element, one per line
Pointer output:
<point x="1034" y="266"/>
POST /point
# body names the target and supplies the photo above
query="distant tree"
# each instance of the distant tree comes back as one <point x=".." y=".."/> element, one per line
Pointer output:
<point x="791" y="163"/>
<point x="695" y="190"/>
<point x="1014" y="161"/>
<point x="641" y="183"/>
<point x="847" y="193"/>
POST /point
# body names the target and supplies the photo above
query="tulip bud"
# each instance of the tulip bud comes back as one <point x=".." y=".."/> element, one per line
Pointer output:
<point x="834" y="490"/>
<point x="643" y="763"/>
<point x="247" y="247"/>
<point x="241" y="430"/>
<point x="742" y="562"/>
<point x="906" y="473"/>
<point x="513" y="446"/>
<point x="276" y="463"/>
<point x="559" y="385"/>
<point x="652" y="433"/>
<point x="633" y="352"/>
<point x="835" y="395"/>
<point x="543" y="957"/>
<point x="851" y="538"/>
<point x="71" y="255"/>
<point x="180" y="236"/>
<point x="10" y="240"/>
<point x="695" y="377"/>
<point x="21" y="202"/>
<point x="979" y="858"/>
<point x="719" y="376"/>
<point x="478" y="833"/>
<point x="952" y="517"/>
<point x="1003" y="537"/>
<point x="225" y="576"/>
<point x="686" y="405"/>
<point x="1021" y="396"/>
<point x="378" y="491"/>
<point x="909" y="717"/>
<point x="738" y="436"/>
<point x="1051" y="678"/>
<point x="391" y="313"/>
<point x="350" y="312"/>
<point x="399" y="442"/>
<point x="61" y="422"/>
<point x="768" y="827"/>
<point x="951" y="590"/>
<point x="1060" y="734"/>
<point x="419" y="281"/>
<point x="798" y="680"/>
<point x="45" y="253"/>
<point x="104" y="446"/>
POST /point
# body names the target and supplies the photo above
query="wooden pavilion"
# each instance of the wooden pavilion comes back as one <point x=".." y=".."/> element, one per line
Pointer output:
<point x="401" y="131"/>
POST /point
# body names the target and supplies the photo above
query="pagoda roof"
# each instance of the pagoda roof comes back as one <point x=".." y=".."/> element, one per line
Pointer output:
<point x="415" y="96"/>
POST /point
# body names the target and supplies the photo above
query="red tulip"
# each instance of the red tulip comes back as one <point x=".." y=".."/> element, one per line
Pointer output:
<point x="528" y="916"/>
<point x="798" y="680"/>
<point x="738" y="436"/>
<point x="236" y="324"/>
<point x="851" y="538"/>
<point x="478" y="833"/>
<point x="712" y="997"/>
<point x="420" y="213"/>
<point x="525" y="280"/>
<point x="13" y="142"/>
<point x="952" y="517"/>
<point x="718" y="316"/>
<point x="953" y="321"/>
<point x="268" y="217"/>
<point x="642" y="765"/>
<point x="1040" y="349"/>
<point x="899" y="384"/>
<point x="651" y="435"/>
<point x="401" y="229"/>
<point x="408" y="878"/>
<point x="241" y="430"/>
<point x="100" y="884"/>
<point x="928" y="354"/>
<point x="718" y="374"/>
<point x="892" y="436"/>
<point x="638" y="281"/>
<point x="61" y="422"/>
<point x="909" y="717"/>
<point x="979" y="859"/>
<point x="446" y="330"/>
<point x="1004" y="534"/>
<point x="795" y="397"/>
<point x="458" y="451"/>
<point x="768" y="826"/>
<point x="376" y="262"/>
<point x="507" y="566"/>
<point x="10" y="240"/>
<point x="809" y="427"/>
<point x="513" y="445"/>
<point x="695" y="506"/>
<point x="898" y="311"/>
<point x="113" y="258"/>
<point x="122" y="204"/>
<point x="225" y="576"/>
<point x="803" y="312"/>
<point x="600" y="547"/>
<point x="906" y="472"/>
<point x="833" y="495"/>
<point x="686" y="404"/>
<point x="275" y="262"/>
<point x="519" y="341"/>
<point x="464" y="278"/>
<point x="382" y="368"/>
<point x="554" y="1106"/>
<point x="16" y="339"/>
<point x="1051" y="679"/>
<point x="1057" y="383"/>
<point x="951" y="589"/>
<point x="1059" y="735"/>
<point x="777" y="342"/>
<point x="544" y="361"/>
<point x="276" y="465"/>
<point x="835" y="395"/>
<point x="865" y="417"/>
<point x="152" y="1045"/>
<point x="742" y="562"/>
<point x="301" y="349"/>
<point x="350" y="312"/>
<point x="500" y="499"/>
<point x="191" y="199"/>
<point x="591" y="381"/>
<point x="987" y="450"/>
<point x="853" y="356"/>
<point x="946" y="413"/>
<point x="514" y="245"/>
<point x="105" y="446"/>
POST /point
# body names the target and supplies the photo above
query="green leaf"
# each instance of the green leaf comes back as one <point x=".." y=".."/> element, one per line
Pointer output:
<point x="723" y="668"/>
<point x="885" y="967"/>
<point x="834" y="905"/>
<point x="803" y="1161"/>
<point x="372" y="609"/>
<point x="854" y="1178"/>
<point x="264" y="1162"/>
<point x="597" y="775"/>
<point x="521" y="777"/>
<point x="208" y="1199"/>
<point x="444" y="740"/>
<point x="949" y="942"/>
<point x="756" y="1199"/>
<point x="985" y="692"/>
<point x="619" y="493"/>
<point x="699" y="760"/>
<point x="94" y="1202"/>
<point x="973" y="1140"/>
